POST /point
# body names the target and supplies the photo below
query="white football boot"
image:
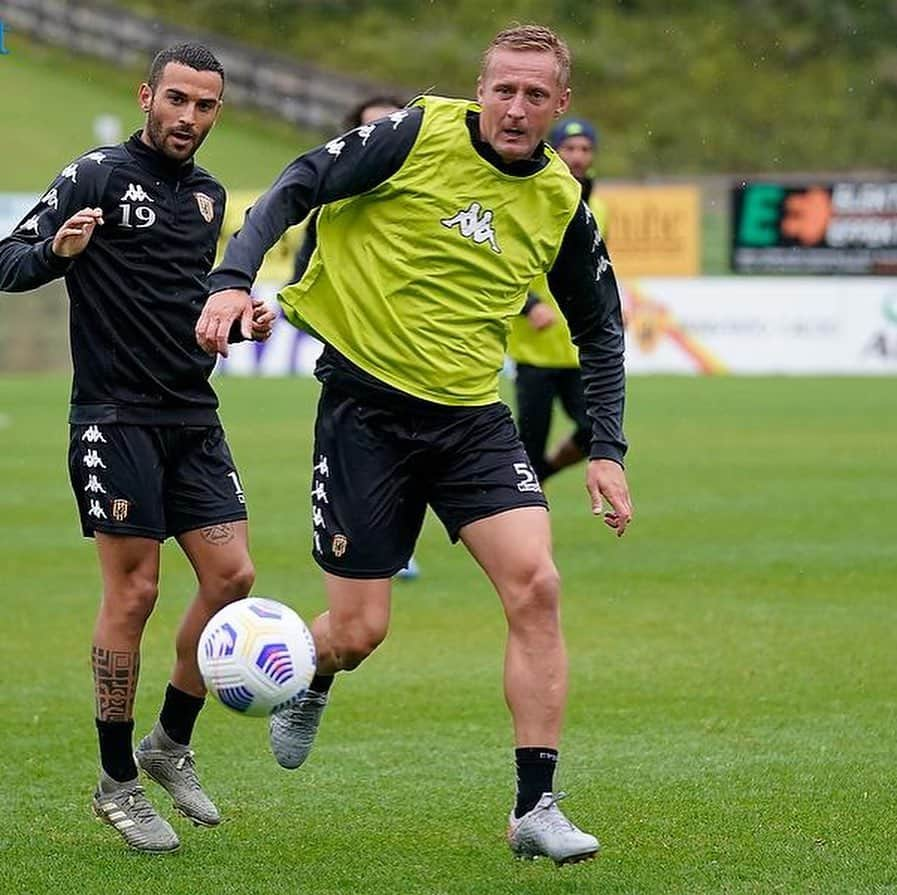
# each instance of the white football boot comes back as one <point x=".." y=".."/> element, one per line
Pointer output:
<point x="125" y="807"/>
<point x="292" y="731"/>
<point x="171" y="765"/>
<point x="545" y="831"/>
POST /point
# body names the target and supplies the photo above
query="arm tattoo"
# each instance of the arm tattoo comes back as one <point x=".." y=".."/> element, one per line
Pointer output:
<point x="115" y="683"/>
<point x="218" y="535"/>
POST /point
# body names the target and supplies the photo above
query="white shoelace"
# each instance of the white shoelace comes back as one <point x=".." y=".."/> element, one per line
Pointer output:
<point x="139" y="806"/>
<point x="186" y="764"/>
<point x="554" y="817"/>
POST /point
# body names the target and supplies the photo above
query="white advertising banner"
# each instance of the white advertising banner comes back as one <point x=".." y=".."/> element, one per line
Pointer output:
<point x="13" y="207"/>
<point x="762" y="325"/>
<point x="710" y="325"/>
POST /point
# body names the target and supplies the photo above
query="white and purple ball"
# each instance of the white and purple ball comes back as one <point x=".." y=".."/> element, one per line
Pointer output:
<point x="256" y="656"/>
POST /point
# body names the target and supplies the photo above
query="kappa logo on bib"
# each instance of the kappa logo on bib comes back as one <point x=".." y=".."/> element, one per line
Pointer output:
<point x="473" y="225"/>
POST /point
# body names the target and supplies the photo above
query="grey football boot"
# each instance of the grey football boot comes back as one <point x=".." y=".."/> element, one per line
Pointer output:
<point x="171" y="765"/>
<point x="125" y="807"/>
<point x="545" y="831"/>
<point x="292" y="730"/>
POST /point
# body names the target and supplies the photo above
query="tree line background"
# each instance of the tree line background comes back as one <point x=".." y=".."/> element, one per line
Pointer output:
<point x="684" y="88"/>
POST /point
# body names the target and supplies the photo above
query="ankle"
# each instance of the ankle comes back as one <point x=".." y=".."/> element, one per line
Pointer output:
<point x="535" y="776"/>
<point x="321" y="683"/>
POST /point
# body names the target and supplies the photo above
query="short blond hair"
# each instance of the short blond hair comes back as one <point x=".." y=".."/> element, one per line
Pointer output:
<point x="532" y="37"/>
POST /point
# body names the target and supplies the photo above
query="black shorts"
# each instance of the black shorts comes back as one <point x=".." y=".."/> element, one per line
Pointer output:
<point x="376" y="470"/>
<point x="153" y="481"/>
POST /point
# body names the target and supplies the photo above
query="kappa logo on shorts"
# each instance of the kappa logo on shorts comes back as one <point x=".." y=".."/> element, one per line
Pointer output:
<point x="120" y="509"/>
<point x="206" y="206"/>
<point x="92" y="460"/>
<point x="339" y="546"/>
<point x="94" y="485"/>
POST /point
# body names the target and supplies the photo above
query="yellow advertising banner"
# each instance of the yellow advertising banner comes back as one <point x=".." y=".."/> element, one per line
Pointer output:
<point x="280" y="261"/>
<point x="653" y="230"/>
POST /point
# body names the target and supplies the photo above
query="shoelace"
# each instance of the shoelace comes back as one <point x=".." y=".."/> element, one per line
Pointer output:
<point x="186" y="764"/>
<point x="554" y="817"/>
<point x="140" y="807"/>
<point x="293" y="713"/>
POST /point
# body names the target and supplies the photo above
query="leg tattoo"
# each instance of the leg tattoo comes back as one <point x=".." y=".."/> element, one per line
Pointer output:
<point x="217" y="535"/>
<point x="115" y="683"/>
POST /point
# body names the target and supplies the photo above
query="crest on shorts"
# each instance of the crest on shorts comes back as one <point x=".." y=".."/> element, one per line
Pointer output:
<point x="206" y="206"/>
<point x="119" y="509"/>
<point x="339" y="545"/>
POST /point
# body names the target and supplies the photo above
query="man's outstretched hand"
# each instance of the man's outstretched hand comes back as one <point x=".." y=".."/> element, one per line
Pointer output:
<point x="606" y="480"/>
<point x="73" y="236"/>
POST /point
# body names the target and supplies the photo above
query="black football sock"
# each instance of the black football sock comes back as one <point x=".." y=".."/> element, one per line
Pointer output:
<point x="535" y="775"/>
<point x="116" y="749"/>
<point x="178" y="715"/>
<point x="321" y="683"/>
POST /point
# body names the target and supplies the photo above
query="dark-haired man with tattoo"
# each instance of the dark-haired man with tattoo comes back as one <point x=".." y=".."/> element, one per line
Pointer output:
<point x="133" y="229"/>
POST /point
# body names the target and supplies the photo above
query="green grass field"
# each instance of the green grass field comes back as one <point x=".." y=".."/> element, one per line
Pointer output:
<point x="50" y="100"/>
<point x="733" y="682"/>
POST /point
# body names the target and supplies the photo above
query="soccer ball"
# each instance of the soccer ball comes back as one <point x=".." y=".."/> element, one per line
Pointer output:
<point x="256" y="656"/>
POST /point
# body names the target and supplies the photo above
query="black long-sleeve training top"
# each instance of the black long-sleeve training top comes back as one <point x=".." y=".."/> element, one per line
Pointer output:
<point x="582" y="279"/>
<point x="138" y="288"/>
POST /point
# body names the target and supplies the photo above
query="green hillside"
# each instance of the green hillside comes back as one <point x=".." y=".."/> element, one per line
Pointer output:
<point x="678" y="88"/>
<point x="50" y="100"/>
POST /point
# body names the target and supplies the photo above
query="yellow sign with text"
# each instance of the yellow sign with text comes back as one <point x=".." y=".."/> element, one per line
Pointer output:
<point x="653" y="230"/>
<point x="280" y="261"/>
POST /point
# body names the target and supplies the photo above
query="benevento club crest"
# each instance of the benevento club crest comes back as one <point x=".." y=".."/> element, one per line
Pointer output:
<point x="206" y="206"/>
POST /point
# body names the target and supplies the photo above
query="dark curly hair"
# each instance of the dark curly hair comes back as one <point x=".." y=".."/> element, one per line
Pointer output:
<point x="193" y="55"/>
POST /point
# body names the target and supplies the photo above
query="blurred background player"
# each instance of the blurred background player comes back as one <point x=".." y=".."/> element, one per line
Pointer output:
<point x="547" y="362"/>
<point x="367" y="111"/>
<point x="363" y="114"/>
<point x="133" y="229"/>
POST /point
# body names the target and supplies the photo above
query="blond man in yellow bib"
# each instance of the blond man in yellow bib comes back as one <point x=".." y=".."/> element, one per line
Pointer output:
<point x="434" y="222"/>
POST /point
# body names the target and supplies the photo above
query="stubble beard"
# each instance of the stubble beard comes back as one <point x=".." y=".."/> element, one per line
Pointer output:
<point x="156" y="133"/>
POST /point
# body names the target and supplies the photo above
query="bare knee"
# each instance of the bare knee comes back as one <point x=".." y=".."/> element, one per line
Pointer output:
<point x="227" y="584"/>
<point x="238" y="582"/>
<point x="352" y="646"/>
<point x="131" y="603"/>
<point x="533" y="599"/>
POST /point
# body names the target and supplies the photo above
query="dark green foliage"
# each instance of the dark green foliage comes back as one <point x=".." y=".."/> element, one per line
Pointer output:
<point x="738" y="86"/>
